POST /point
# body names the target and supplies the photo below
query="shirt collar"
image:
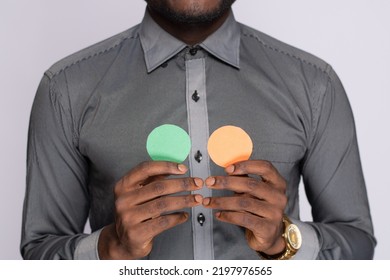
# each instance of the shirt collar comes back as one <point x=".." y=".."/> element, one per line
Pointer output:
<point x="159" y="46"/>
<point x="225" y="42"/>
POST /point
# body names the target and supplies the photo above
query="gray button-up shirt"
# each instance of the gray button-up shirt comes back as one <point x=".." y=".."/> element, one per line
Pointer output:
<point x="94" y="110"/>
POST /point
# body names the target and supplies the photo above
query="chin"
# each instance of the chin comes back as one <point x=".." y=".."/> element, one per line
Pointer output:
<point x="190" y="11"/>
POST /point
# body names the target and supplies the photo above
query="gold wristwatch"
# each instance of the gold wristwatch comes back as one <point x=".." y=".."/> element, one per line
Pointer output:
<point x="293" y="239"/>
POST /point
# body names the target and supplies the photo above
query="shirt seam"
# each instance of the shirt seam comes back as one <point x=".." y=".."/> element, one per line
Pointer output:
<point x="90" y="56"/>
<point x="205" y="110"/>
<point x="319" y="108"/>
<point x="55" y="98"/>
<point x="324" y="70"/>
<point x="72" y="119"/>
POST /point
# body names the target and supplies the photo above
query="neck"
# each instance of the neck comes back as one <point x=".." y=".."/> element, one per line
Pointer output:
<point x="191" y="34"/>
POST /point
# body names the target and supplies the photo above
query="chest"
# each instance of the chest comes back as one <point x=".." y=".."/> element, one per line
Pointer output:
<point x="123" y="112"/>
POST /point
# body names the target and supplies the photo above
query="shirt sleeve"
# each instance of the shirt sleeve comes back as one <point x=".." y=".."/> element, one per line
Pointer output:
<point x="87" y="249"/>
<point x="56" y="203"/>
<point x="334" y="182"/>
<point x="310" y="246"/>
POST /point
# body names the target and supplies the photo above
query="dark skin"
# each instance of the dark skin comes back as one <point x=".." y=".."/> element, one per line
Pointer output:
<point x="191" y="34"/>
<point x="258" y="204"/>
<point x="141" y="199"/>
<point x="142" y="196"/>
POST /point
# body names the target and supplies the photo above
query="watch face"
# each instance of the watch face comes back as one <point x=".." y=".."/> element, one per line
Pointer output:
<point x="294" y="236"/>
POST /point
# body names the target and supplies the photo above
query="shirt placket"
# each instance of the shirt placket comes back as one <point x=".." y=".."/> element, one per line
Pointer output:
<point x="202" y="219"/>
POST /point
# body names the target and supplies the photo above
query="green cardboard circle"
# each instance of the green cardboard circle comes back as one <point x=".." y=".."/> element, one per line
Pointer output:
<point x="168" y="142"/>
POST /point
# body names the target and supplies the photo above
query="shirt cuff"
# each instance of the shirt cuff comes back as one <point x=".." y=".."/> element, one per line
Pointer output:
<point x="87" y="249"/>
<point x="310" y="244"/>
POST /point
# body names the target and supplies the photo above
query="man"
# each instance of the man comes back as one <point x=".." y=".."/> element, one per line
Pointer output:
<point x="191" y="64"/>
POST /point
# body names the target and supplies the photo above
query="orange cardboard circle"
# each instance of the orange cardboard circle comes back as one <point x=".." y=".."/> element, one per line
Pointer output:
<point x="228" y="145"/>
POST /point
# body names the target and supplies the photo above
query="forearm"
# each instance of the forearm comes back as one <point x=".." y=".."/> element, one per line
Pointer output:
<point x="50" y="247"/>
<point x="56" y="204"/>
<point x="334" y="181"/>
<point x="343" y="241"/>
<point x="334" y="241"/>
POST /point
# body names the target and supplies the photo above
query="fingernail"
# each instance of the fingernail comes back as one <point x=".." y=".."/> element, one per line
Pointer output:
<point x="230" y="169"/>
<point x="185" y="214"/>
<point x="206" y="201"/>
<point x="218" y="214"/>
<point x="182" y="167"/>
<point x="198" y="182"/>
<point x="210" y="181"/>
<point x="198" y="198"/>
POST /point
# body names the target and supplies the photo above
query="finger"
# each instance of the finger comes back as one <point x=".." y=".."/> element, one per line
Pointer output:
<point x="154" y="227"/>
<point x="246" y="220"/>
<point x="248" y="185"/>
<point x="154" y="178"/>
<point x="142" y="172"/>
<point x="139" y="238"/>
<point x="149" y="169"/>
<point x="263" y="168"/>
<point x="243" y="204"/>
<point x="161" y="188"/>
<point x="162" y="205"/>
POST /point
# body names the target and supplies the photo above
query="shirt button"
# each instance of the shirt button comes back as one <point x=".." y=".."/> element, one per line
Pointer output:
<point x="201" y="219"/>
<point x="195" y="96"/>
<point x="193" y="51"/>
<point x="198" y="156"/>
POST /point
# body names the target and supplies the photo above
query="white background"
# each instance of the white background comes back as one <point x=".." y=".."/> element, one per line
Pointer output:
<point x="352" y="35"/>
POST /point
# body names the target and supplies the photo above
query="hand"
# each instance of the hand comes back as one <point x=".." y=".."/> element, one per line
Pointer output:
<point x="141" y="199"/>
<point x="258" y="204"/>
